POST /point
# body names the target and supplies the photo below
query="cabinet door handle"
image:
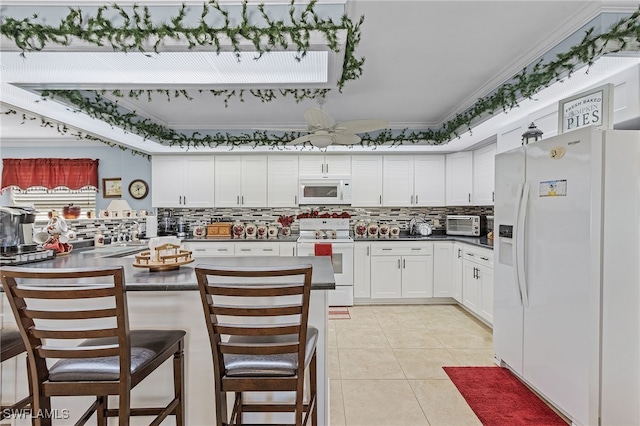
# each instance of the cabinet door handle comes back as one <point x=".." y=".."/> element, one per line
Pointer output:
<point x="404" y="263"/>
<point x="245" y="249"/>
<point x="416" y="199"/>
<point x="386" y="249"/>
<point x="459" y="253"/>
<point x="295" y="199"/>
<point x="327" y="168"/>
<point x="267" y="249"/>
<point x="411" y="199"/>
<point x="367" y="250"/>
<point x="184" y="199"/>
<point x="469" y="197"/>
<point x="470" y="254"/>
<point x="493" y="195"/>
<point x="237" y="199"/>
<point x="478" y="273"/>
<point x="380" y="199"/>
<point x="220" y="249"/>
<point x="416" y="248"/>
<point x="242" y="199"/>
<point x="398" y="263"/>
<point x="484" y="258"/>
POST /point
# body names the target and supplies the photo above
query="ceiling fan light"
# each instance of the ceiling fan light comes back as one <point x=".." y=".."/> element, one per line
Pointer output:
<point x="321" y="141"/>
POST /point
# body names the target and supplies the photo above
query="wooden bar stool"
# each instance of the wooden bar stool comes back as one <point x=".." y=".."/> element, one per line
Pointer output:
<point x="259" y="339"/>
<point x="52" y="305"/>
<point x="11" y="345"/>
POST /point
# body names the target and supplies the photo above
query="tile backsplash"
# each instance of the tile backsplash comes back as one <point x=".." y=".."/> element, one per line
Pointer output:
<point x="400" y="215"/>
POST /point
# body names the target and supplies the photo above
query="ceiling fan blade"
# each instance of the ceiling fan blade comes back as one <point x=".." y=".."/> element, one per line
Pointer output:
<point x="318" y="119"/>
<point x="301" y="139"/>
<point x="346" y="139"/>
<point x="361" y="126"/>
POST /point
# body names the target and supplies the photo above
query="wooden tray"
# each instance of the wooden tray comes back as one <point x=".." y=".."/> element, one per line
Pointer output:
<point x="170" y="257"/>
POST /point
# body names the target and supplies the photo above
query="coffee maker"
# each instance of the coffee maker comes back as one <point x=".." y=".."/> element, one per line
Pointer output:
<point x="16" y="235"/>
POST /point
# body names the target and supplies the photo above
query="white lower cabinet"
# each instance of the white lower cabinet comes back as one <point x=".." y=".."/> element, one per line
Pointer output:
<point x="477" y="282"/>
<point x="361" y="270"/>
<point x="401" y="270"/>
<point x="442" y="269"/>
<point x="210" y="248"/>
<point x="458" y="250"/>
<point x="258" y="248"/>
<point x="288" y="248"/>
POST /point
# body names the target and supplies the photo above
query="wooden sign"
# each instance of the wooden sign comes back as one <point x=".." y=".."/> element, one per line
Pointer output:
<point x="591" y="108"/>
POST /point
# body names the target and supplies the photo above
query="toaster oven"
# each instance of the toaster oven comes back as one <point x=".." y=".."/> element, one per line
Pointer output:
<point x="472" y="226"/>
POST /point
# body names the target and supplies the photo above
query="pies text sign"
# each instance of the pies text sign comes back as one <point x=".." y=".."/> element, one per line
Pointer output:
<point x="591" y="108"/>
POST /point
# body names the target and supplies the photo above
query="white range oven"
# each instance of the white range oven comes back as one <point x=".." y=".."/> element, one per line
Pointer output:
<point x="336" y="233"/>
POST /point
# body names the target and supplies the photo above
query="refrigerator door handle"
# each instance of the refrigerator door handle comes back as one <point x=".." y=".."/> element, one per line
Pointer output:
<point x="520" y="242"/>
<point x="516" y="233"/>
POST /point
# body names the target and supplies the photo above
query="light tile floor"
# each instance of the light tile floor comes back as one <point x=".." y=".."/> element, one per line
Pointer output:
<point x="385" y="365"/>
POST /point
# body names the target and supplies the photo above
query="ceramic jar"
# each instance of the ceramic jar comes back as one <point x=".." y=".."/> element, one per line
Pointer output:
<point x="250" y="230"/>
<point x="199" y="231"/>
<point x="372" y="229"/>
<point x="238" y="229"/>
<point x="394" y="231"/>
<point x="286" y="231"/>
<point x="360" y="229"/>
<point x="261" y="230"/>
<point x="272" y="231"/>
<point x="98" y="239"/>
<point x="384" y="230"/>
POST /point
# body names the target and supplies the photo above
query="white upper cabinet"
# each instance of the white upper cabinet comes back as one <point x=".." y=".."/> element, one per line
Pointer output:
<point x="484" y="175"/>
<point x="366" y="180"/>
<point x="325" y="165"/>
<point x="413" y="180"/>
<point x="182" y="181"/>
<point x="459" y="181"/>
<point x="397" y="182"/>
<point x="241" y="180"/>
<point x="429" y="186"/>
<point x="282" y="181"/>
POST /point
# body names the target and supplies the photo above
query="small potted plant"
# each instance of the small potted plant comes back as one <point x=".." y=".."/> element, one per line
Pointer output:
<point x="285" y="222"/>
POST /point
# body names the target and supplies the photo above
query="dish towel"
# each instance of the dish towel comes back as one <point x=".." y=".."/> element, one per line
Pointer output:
<point x="323" y="249"/>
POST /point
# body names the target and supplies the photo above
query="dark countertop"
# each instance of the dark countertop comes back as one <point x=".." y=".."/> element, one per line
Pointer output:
<point x="280" y="239"/>
<point x="475" y="241"/>
<point x="184" y="278"/>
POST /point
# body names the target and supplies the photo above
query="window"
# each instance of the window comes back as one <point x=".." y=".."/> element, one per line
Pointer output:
<point x="45" y="200"/>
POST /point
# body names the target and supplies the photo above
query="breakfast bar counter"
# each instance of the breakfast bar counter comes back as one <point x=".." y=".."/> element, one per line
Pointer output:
<point x="170" y="300"/>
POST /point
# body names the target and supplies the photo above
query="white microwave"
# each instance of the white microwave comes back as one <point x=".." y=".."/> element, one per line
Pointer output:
<point x="472" y="226"/>
<point x="325" y="190"/>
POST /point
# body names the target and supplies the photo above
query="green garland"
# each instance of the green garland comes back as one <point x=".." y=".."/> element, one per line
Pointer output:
<point x="507" y="96"/>
<point x="63" y="129"/>
<point x="137" y="31"/>
<point x="265" y="95"/>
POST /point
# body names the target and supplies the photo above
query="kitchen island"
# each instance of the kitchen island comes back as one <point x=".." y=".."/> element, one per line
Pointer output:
<point x="169" y="299"/>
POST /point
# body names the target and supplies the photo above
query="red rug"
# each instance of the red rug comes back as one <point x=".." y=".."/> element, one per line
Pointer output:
<point x="499" y="399"/>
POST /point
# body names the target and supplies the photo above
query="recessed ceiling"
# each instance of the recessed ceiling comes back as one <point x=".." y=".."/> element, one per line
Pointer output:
<point x="425" y="61"/>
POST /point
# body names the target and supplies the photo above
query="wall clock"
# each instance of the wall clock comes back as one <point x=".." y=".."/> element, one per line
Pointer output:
<point x="138" y="189"/>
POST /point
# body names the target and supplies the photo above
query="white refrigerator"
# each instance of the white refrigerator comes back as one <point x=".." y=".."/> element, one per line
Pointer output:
<point x="567" y="272"/>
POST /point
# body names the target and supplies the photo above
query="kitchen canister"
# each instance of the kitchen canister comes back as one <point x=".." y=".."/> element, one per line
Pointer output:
<point x="98" y="239"/>
<point x="372" y="229"/>
<point x="360" y="229"/>
<point x="250" y="230"/>
<point x="238" y="229"/>
<point x="272" y="231"/>
<point x="394" y="230"/>
<point x="383" y="230"/>
<point x="261" y="230"/>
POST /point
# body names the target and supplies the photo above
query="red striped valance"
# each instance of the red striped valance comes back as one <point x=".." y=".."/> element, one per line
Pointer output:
<point x="73" y="173"/>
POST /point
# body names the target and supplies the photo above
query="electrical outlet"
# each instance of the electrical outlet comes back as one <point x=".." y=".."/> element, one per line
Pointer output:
<point x="436" y="222"/>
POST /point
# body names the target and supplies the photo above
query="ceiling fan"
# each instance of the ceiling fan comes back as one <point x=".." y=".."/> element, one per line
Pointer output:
<point x="323" y="131"/>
